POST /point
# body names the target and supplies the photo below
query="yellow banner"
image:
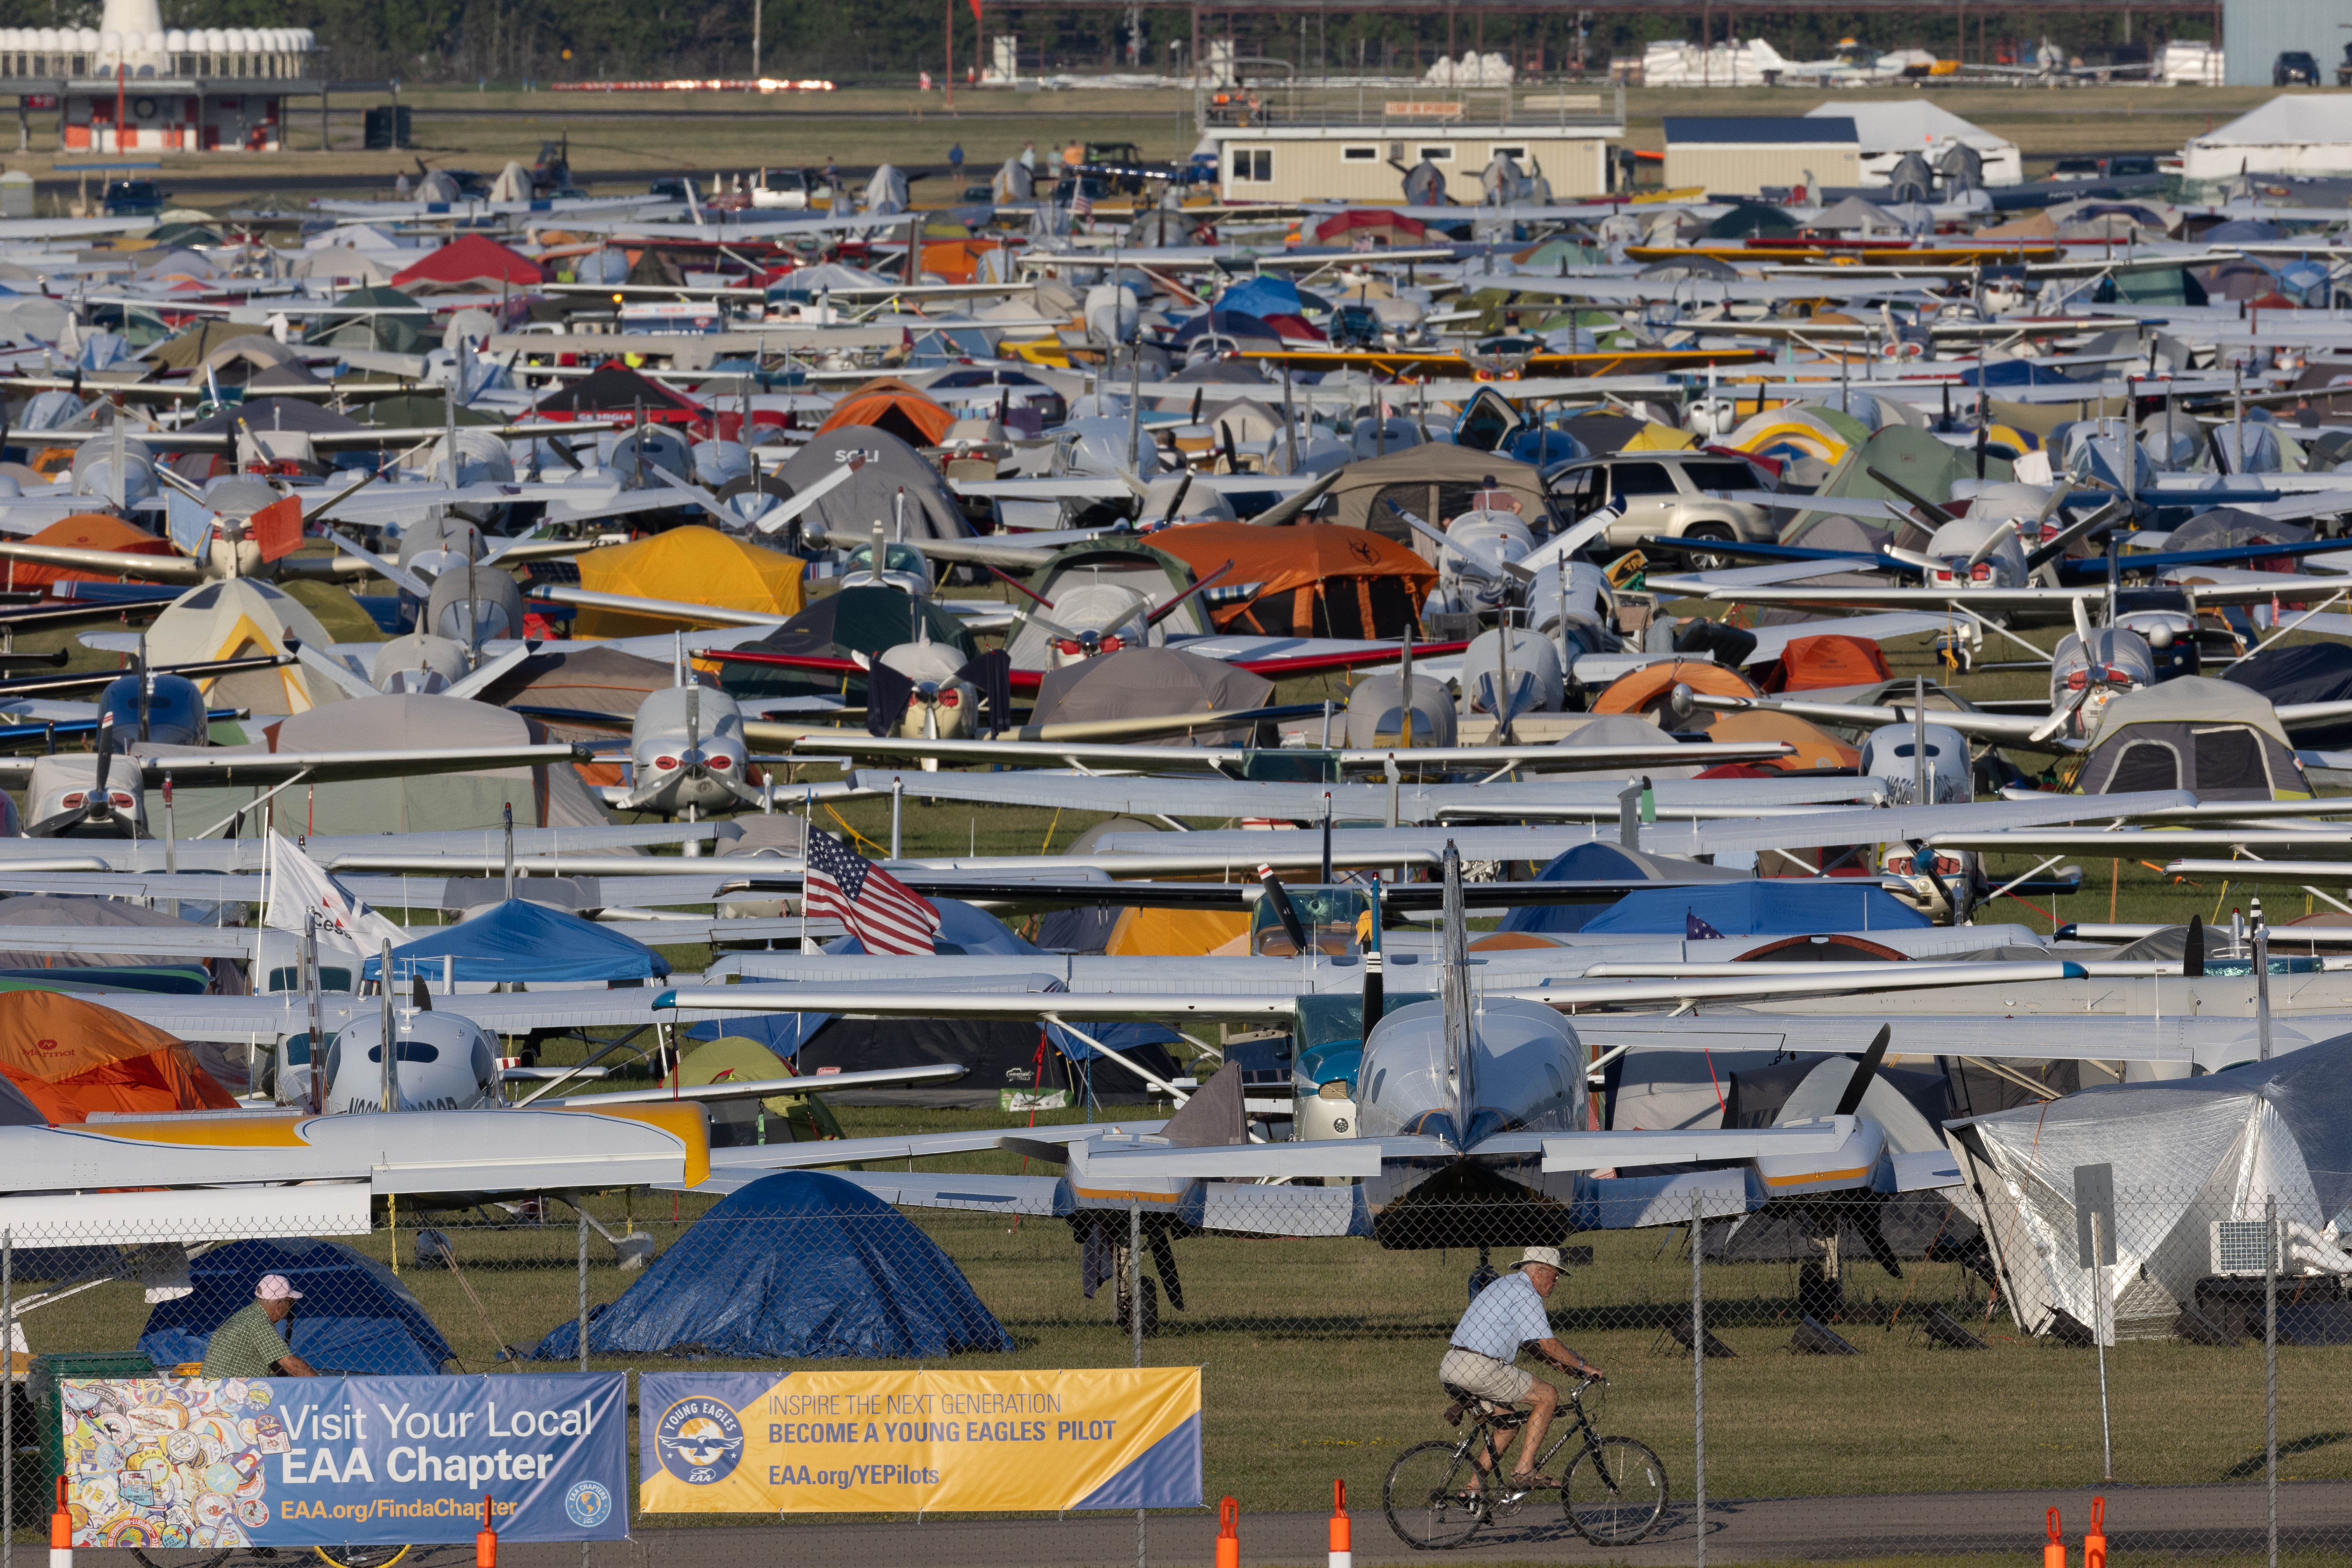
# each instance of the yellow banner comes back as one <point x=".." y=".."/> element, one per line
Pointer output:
<point x="891" y="1442"/>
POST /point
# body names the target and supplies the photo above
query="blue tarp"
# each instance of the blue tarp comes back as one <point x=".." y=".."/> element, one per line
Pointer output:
<point x="799" y="1264"/>
<point x="523" y="941"/>
<point x="1595" y="862"/>
<point x="1766" y="906"/>
<point x="1268" y="296"/>
<point x="2015" y="372"/>
<point x="354" y="1316"/>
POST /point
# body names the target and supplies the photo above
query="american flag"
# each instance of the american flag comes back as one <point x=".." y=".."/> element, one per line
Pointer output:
<point x="1081" y="207"/>
<point x="882" y="913"/>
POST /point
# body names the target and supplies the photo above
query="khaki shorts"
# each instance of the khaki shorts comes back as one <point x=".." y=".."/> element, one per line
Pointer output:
<point x="1498" y="1381"/>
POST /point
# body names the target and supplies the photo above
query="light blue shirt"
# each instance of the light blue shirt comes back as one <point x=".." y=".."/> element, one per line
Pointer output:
<point x="1507" y="1314"/>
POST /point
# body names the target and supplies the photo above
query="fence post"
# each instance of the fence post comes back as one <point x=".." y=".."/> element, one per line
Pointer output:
<point x="1698" y="1376"/>
<point x="2270" y="1365"/>
<point x="1135" y="1328"/>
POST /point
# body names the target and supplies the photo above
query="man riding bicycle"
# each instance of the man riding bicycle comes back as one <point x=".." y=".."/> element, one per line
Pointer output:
<point x="1506" y="1315"/>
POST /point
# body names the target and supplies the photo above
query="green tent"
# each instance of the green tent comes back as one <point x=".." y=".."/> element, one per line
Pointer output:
<point x="1913" y="457"/>
<point x="384" y="317"/>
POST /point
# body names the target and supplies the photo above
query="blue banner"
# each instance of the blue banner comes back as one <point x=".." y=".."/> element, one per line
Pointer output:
<point x="202" y="1464"/>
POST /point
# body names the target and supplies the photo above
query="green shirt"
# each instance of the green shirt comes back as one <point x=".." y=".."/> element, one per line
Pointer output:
<point x="244" y="1346"/>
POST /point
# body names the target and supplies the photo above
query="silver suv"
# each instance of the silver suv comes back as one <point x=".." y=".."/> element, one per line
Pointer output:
<point x="1677" y="495"/>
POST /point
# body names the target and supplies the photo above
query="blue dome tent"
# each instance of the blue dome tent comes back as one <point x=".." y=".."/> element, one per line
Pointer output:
<point x="800" y="1265"/>
<point x="519" y="942"/>
<point x="355" y="1315"/>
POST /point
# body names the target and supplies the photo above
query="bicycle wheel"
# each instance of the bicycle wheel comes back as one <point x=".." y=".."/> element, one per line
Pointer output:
<point x="361" y="1557"/>
<point x="1427" y="1500"/>
<point x="1614" y="1492"/>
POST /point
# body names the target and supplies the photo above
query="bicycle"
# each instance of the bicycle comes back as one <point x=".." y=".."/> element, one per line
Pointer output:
<point x="353" y="1556"/>
<point x="1613" y="1493"/>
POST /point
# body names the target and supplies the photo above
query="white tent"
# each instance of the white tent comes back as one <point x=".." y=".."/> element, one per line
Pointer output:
<point x="1887" y="130"/>
<point x="2302" y="135"/>
<point x="236" y="618"/>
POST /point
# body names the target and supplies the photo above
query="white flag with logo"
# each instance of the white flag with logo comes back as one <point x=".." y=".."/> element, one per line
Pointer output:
<point x="299" y="887"/>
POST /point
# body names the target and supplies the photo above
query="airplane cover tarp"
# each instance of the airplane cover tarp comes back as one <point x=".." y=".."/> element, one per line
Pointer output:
<point x="1316" y="580"/>
<point x="2188" y="1152"/>
<point x="355" y="1316"/>
<point x="70" y="1057"/>
<point x="694" y="564"/>
<point x="1760" y="908"/>
<point x="890" y="465"/>
<point x="517" y="940"/>
<point x="2309" y="672"/>
<point x="84" y="530"/>
<point x="1148" y="682"/>
<point x="799" y="1265"/>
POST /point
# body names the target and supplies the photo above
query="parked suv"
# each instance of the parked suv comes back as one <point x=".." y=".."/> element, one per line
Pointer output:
<point x="2295" y="68"/>
<point x="1676" y="495"/>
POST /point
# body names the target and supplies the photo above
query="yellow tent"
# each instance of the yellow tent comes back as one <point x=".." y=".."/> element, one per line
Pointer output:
<point x="1188" y="933"/>
<point x="691" y="565"/>
<point x="774" y="1118"/>
<point x="1656" y="437"/>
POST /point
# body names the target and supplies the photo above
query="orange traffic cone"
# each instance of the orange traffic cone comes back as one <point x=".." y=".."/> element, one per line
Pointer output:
<point x="2053" y="1555"/>
<point x="2095" y="1543"/>
<point x="1229" y="1541"/>
<point x="1343" y="1553"/>
<point x="61" y="1531"/>
<point x="486" y="1539"/>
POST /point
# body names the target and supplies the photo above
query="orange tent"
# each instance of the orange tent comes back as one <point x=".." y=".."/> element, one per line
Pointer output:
<point x="84" y="530"/>
<point x="1644" y="690"/>
<point x="1312" y="580"/>
<point x="1816" y="748"/>
<point x="70" y="1057"/>
<point x="913" y="418"/>
<point x="1808" y="664"/>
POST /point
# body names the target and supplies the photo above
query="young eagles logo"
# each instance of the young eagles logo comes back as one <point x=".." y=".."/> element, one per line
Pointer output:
<point x="700" y="1440"/>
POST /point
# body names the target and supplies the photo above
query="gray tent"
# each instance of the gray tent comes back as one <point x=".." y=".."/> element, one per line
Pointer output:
<point x="60" y="910"/>
<point x="2193" y="1162"/>
<point x="852" y="507"/>
<point x="1434" y="482"/>
<point x="2211" y="736"/>
<point x="541" y="796"/>
<point x="1146" y="682"/>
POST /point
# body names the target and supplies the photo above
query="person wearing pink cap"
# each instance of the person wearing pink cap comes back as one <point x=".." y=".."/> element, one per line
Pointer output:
<point x="249" y="1345"/>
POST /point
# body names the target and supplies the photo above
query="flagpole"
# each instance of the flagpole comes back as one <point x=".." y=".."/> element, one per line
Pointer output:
<point x="808" y="838"/>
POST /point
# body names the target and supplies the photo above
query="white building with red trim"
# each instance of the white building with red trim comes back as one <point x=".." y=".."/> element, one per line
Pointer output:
<point x="131" y="85"/>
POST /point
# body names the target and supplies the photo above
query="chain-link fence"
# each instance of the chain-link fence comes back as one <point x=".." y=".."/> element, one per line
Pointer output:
<point x="1835" y="1377"/>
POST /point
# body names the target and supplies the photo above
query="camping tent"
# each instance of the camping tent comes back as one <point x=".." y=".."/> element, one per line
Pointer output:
<point x="79" y="910"/>
<point x="377" y="317"/>
<point x="84" y="530"/>
<point x="799" y="1265"/>
<point x="1816" y="747"/>
<point x="1310" y="581"/>
<point x="909" y="416"/>
<point x="2211" y="736"/>
<point x="613" y="388"/>
<point x="587" y="680"/>
<point x="1921" y="463"/>
<point x="517" y="943"/>
<point x="469" y="263"/>
<point x="1146" y="682"/>
<point x="236" y="618"/>
<point x="773" y="1118"/>
<point x="1751" y="907"/>
<point x="867" y="620"/>
<point x="188" y="348"/>
<point x="2186" y="1156"/>
<point x="1829" y="659"/>
<point x="1598" y="862"/>
<point x="541" y="796"/>
<point x="70" y="1057"/>
<point x="694" y="564"/>
<point x="1646" y="689"/>
<point x="356" y="1315"/>
<point x="1434" y="481"/>
<point x="891" y="465"/>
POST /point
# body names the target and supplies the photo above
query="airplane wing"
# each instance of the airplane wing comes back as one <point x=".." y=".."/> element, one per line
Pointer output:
<point x="2007" y="728"/>
<point x="1985" y="601"/>
<point x="194" y="768"/>
<point x="1217" y="759"/>
<point x="1223" y="798"/>
<point x="676" y="610"/>
<point x="1603" y="1150"/>
<point x="757" y="1089"/>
